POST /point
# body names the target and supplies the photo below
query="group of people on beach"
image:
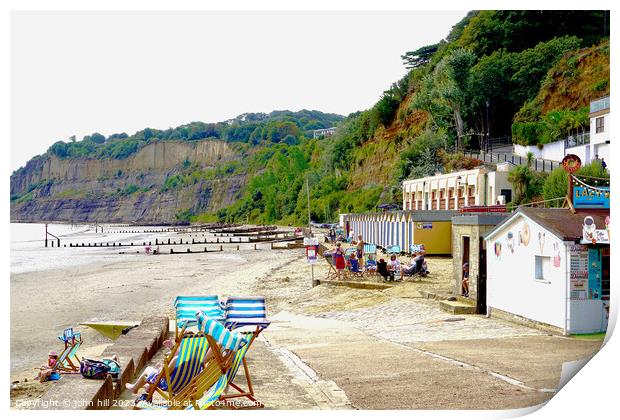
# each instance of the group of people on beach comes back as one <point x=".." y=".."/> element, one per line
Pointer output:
<point x="387" y="269"/>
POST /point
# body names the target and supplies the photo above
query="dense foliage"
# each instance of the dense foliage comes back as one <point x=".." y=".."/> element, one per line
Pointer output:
<point x="255" y="128"/>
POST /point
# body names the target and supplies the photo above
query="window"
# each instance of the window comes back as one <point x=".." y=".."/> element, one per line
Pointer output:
<point x="600" y="124"/>
<point x="542" y="267"/>
<point x="507" y="194"/>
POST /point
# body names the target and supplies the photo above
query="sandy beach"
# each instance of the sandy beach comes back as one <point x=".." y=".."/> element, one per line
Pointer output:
<point x="310" y="326"/>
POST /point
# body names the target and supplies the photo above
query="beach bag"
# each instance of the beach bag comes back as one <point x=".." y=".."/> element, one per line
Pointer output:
<point x="99" y="369"/>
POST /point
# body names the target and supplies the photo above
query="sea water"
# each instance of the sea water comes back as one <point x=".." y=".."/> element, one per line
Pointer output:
<point x="28" y="251"/>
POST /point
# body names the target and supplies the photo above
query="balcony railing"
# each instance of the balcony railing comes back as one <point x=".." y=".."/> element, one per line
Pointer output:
<point x="577" y="140"/>
<point x="599" y="104"/>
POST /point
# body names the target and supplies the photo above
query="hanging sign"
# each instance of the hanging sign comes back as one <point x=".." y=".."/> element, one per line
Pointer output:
<point x="588" y="197"/>
<point x="592" y="235"/>
<point x="571" y="163"/>
<point x="311" y="253"/>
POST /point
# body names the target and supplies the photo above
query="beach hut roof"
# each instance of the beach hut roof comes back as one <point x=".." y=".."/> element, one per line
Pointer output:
<point x="563" y="223"/>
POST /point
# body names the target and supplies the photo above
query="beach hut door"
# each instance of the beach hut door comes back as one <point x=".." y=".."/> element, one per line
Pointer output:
<point x="481" y="286"/>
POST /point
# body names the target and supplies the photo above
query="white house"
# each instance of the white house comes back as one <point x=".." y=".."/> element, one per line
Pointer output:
<point x="539" y="269"/>
<point x="586" y="145"/>
<point x="600" y="129"/>
<point x="454" y="190"/>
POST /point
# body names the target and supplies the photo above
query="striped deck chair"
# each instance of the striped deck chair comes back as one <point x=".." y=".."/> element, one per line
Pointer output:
<point x="206" y="390"/>
<point x="393" y="249"/>
<point x="68" y="362"/>
<point x="331" y="271"/>
<point x="192" y="349"/>
<point x="370" y="249"/>
<point x="250" y="314"/>
<point x="186" y="308"/>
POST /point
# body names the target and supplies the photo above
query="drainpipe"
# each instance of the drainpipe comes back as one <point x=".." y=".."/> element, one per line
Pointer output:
<point x="567" y="287"/>
<point x="486" y="177"/>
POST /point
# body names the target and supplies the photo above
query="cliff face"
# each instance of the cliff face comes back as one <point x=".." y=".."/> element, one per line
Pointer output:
<point x="123" y="190"/>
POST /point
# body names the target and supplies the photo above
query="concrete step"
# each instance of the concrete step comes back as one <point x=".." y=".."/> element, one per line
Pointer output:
<point x="358" y="284"/>
<point x="456" y="307"/>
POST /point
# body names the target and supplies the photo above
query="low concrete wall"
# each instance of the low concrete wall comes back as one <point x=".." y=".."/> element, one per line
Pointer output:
<point x="550" y="151"/>
<point x="498" y="313"/>
<point x="73" y="392"/>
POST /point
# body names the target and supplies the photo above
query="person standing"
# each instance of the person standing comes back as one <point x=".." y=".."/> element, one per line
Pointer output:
<point x="360" y="249"/>
<point x="603" y="164"/>
<point x="339" y="260"/>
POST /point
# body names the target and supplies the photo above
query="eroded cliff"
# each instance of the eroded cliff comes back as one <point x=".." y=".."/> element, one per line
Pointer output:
<point x="134" y="189"/>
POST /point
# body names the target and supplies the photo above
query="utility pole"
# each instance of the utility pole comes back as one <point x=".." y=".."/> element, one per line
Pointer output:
<point x="308" y="195"/>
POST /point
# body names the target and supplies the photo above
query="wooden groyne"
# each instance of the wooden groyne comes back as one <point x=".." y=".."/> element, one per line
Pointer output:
<point x="194" y="241"/>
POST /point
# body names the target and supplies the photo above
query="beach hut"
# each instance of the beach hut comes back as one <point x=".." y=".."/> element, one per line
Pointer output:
<point x="550" y="268"/>
<point x="469" y="246"/>
<point x="404" y="228"/>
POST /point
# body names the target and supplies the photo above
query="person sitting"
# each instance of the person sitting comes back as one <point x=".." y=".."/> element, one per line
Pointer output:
<point x="46" y="371"/>
<point x="383" y="270"/>
<point x="354" y="264"/>
<point x="150" y="374"/>
<point x="393" y="267"/>
<point x="417" y="266"/>
<point x="465" y="281"/>
<point x="371" y="264"/>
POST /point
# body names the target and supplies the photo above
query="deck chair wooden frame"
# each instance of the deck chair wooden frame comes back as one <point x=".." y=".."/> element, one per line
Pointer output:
<point x="332" y="273"/>
<point x="232" y="373"/>
<point x="66" y="364"/>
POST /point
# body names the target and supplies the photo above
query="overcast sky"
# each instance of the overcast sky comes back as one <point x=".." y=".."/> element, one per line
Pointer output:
<point x="75" y="73"/>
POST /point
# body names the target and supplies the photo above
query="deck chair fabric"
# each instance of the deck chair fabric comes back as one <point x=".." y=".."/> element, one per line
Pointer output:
<point x="332" y="273"/>
<point x="244" y="312"/>
<point x="353" y="267"/>
<point x="68" y="336"/>
<point x="238" y="361"/>
<point x="216" y="391"/>
<point x="393" y="249"/>
<point x="64" y="364"/>
<point x="201" y="392"/>
<point x="186" y="308"/>
<point x="370" y="249"/>
<point x="229" y="340"/>
<point x="249" y="311"/>
<point x="192" y="350"/>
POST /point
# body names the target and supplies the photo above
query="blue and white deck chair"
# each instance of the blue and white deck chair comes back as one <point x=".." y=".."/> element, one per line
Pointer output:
<point x="68" y="362"/>
<point x="186" y="308"/>
<point x="370" y="249"/>
<point x="205" y="388"/>
<point x="247" y="313"/>
<point x="69" y="337"/>
<point x="349" y="251"/>
<point x="393" y="249"/>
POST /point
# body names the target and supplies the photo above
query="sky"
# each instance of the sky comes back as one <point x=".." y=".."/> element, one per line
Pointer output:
<point x="75" y="73"/>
